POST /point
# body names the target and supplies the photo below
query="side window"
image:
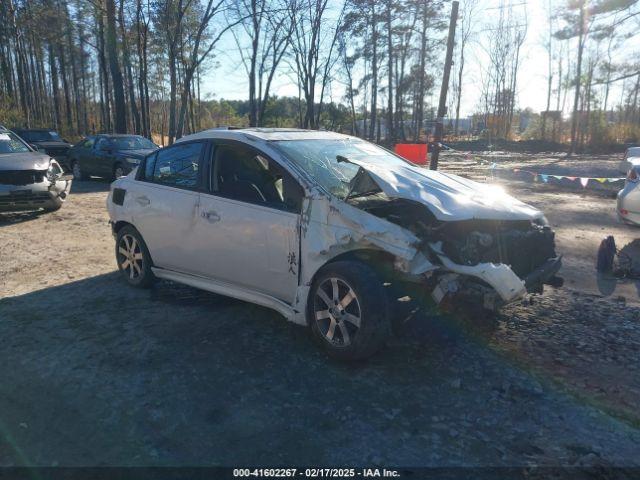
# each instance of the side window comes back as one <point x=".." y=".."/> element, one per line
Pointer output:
<point x="177" y="165"/>
<point x="103" y="144"/>
<point x="244" y="174"/>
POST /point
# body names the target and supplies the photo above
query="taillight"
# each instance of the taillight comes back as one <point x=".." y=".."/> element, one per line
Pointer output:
<point x="632" y="176"/>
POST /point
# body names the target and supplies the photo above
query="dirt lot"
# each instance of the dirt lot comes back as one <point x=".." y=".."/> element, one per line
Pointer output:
<point x="95" y="373"/>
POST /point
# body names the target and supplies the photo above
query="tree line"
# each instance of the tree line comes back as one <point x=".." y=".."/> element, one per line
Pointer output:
<point x="592" y="73"/>
<point x="364" y="67"/>
<point x="140" y="66"/>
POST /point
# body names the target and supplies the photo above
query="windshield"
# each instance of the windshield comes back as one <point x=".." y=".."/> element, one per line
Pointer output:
<point x="132" y="143"/>
<point x="41" y="136"/>
<point x="11" y="143"/>
<point x="319" y="159"/>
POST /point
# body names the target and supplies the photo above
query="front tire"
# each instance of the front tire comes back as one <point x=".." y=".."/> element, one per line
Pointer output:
<point x="348" y="310"/>
<point x="132" y="256"/>
<point x="77" y="171"/>
<point x="118" y="171"/>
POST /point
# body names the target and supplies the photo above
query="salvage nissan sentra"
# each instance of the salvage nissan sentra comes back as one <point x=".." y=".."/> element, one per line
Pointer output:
<point x="29" y="180"/>
<point x="318" y="225"/>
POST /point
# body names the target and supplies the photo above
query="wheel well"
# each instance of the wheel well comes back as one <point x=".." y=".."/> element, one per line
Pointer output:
<point x="120" y="225"/>
<point x="382" y="262"/>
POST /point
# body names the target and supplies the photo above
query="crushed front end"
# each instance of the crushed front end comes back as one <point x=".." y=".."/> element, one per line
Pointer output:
<point x="483" y="262"/>
<point x="32" y="189"/>
<point x="494" y="262"/>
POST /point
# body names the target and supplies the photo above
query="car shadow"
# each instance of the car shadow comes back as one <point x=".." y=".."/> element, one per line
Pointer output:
<point x="93" y="185"/>
<point x="175" y="373"/>
<point x="12" y="218"/>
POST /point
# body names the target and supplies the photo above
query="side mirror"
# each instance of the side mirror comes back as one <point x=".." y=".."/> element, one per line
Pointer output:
<point x="35" y="147"/>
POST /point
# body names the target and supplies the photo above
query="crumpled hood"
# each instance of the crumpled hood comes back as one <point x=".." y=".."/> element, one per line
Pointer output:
<point x="136" y="153"/>
<point x="24" y="161"/>
<point x="449" y="197"/>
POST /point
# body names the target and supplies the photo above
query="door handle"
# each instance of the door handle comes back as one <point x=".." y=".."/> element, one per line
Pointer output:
<point x="144" y="201"/>
<point x="211" y="216"/>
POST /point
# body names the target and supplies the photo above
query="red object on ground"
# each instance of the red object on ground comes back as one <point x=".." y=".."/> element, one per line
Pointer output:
<point x="414" y="152"/>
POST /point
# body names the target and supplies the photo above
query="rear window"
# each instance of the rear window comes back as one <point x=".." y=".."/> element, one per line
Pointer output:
<point x="40" y="136"/>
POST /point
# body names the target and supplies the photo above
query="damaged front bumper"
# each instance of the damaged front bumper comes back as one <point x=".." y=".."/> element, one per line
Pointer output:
<point x="45" y="194"/>
<point x="493" y="285"/>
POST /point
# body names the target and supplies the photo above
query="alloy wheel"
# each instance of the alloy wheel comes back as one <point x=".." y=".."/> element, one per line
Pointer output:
<point x="130" y="256"/>
<point x="337" y="311"/>
<point x="118" y="172"/>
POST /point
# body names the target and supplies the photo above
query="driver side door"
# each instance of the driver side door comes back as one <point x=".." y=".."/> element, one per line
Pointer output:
<point x="247" y="232"/>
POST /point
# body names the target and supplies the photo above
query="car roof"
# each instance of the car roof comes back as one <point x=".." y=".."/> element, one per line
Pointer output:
<point x="116" y="135"/>
<point x="35" y="130"/>
<point x="266" y="134"/>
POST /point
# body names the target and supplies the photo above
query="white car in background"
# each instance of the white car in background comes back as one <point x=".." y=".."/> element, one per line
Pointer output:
<point x="629" y="198"/>
<point x="630" y="160"/>
<point x="321" y="227"/>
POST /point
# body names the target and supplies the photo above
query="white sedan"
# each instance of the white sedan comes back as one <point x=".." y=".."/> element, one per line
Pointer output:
<point x="629" y="198"/>
<point x="322" y="227"/>
<point x="630" y="160"/>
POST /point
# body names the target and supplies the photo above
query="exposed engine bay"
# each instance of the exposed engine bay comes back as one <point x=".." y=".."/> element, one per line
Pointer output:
<point x="527" y="247"/>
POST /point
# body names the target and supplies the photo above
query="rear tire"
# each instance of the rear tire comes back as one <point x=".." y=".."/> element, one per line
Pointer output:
<point x="132" y="256"/>
<point x="348" y="310"/>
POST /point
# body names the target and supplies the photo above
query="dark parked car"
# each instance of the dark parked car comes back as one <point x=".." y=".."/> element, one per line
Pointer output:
<point x="108" y="156"/>
<point x="47" y="141"/>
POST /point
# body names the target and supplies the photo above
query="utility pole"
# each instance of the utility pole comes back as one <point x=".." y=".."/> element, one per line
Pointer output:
<point x="442" y="107"/>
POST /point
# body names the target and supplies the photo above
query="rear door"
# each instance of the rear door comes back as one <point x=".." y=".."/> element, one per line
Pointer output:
<point x="247" y="233"/>
<point x="165" y="203"/>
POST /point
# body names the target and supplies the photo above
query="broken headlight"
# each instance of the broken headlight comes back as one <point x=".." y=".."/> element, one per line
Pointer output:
<point x="53" y="171"/>
<point x="472" y="249"/>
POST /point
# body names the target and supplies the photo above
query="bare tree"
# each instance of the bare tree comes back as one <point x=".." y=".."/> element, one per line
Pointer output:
<point x="268" y="28"/>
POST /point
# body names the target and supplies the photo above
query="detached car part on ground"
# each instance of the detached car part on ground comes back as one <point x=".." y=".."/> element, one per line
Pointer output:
<point x="29" y="180"/>
<point x="327" y="229"/>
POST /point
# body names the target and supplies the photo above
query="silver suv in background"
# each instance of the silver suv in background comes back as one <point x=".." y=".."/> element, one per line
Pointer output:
<point x="318" y="226"/>
<point x="29" y="179"/>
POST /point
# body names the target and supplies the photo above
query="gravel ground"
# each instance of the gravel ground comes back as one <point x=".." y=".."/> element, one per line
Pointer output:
<point x="95" y="373"/>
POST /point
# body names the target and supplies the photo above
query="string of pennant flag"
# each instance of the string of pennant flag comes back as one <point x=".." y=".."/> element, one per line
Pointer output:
<point x="584" y="181"/>
<point x="545" y="177"/>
